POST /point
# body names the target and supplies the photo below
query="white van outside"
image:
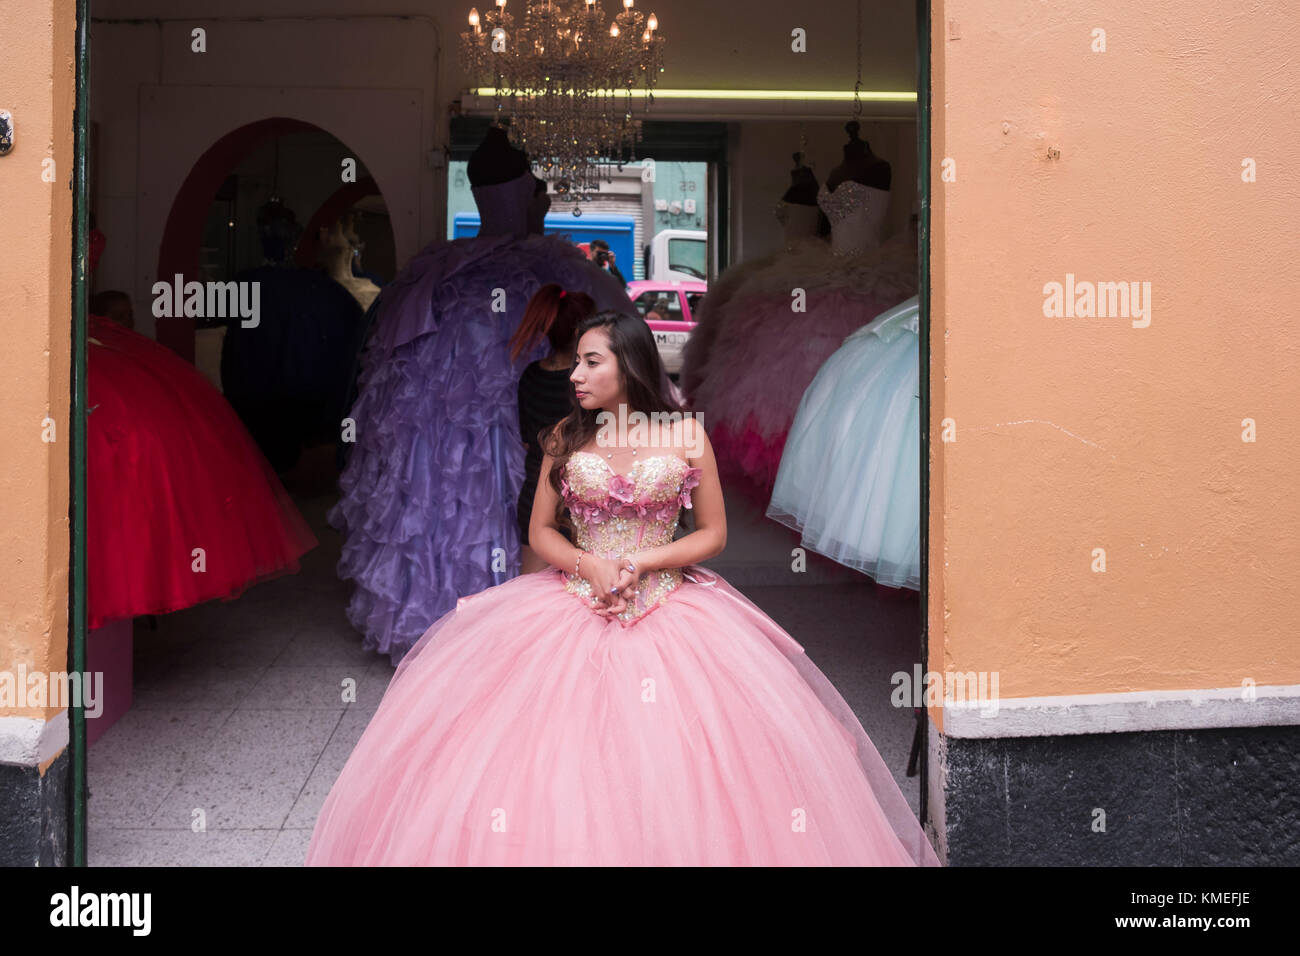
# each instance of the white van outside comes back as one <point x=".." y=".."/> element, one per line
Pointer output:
<point x="679" y="255"/>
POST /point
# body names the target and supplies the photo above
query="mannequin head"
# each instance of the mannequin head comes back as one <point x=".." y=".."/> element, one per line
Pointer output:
<point x="338" y="246"/>
<point x="798" y="212"/>
<point x="496" y="161"/>
<point x="506" y="192"/>
<point x="334" y="238"/>
<point x="803" y="184"/>
<point x="860" y="164"/>
<point x="278" y="228"/>
<point x="353" y="237"/>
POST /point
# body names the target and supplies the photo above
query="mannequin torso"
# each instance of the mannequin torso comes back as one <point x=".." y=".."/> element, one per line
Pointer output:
<point x="857" y="214"/>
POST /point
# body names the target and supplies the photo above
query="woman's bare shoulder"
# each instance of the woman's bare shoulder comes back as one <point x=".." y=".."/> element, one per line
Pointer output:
<point x="693" y="438"/>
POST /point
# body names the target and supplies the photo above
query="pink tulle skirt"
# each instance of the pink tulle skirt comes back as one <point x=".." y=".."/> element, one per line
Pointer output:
<point x="524" y="729"/>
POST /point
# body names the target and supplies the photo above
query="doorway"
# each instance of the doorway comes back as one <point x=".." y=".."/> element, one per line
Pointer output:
<point x="404" y="230"/>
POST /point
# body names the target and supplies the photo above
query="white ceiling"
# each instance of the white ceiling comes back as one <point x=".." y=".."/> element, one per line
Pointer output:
<point x="718" y="44"/>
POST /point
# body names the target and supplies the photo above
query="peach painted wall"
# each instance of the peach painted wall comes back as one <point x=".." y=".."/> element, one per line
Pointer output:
<point x="37" y="84"/>
<point x="1075" y="434"/>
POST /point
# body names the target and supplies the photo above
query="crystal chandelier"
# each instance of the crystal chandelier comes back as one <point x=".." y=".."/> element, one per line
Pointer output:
<point x="564" y="79"/>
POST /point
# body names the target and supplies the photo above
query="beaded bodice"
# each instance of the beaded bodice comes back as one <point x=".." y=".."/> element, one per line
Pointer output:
<point x="615" y="515"/>
<point x="857" y="215"/>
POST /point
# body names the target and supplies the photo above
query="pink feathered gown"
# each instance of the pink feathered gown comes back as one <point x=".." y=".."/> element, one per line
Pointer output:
<point x="525" y="729"/>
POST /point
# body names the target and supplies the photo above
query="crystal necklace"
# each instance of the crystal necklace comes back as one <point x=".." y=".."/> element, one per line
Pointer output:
<point x="610" y="454"/>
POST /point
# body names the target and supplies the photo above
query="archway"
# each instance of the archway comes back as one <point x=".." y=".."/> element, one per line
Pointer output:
<point x="178" y="252"/>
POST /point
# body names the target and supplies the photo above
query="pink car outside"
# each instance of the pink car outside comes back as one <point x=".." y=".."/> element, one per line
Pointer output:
<point x="668" y="308"/>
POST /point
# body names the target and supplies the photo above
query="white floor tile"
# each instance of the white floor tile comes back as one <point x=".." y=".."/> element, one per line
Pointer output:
<point x="289" y="848"/>
<point x="118" y="847"/>
<point x="200" y="686"/>
<point x="307" y="806"/>
<point x="132" y="768"/>
<point x="251" y="773"/>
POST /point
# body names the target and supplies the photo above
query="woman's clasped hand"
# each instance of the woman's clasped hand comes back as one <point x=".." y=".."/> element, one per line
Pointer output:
<point x="610" y="580"/>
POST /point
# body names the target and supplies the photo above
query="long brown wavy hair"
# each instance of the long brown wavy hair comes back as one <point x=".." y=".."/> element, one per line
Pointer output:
<point x="640" y="372"/>
<point x="553" y="312"/>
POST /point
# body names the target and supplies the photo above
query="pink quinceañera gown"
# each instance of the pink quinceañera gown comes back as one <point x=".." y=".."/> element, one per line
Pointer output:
<point x="525" y="729"/>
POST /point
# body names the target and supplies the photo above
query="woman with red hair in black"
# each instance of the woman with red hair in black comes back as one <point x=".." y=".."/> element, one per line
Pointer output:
<point x="545" y="392"/>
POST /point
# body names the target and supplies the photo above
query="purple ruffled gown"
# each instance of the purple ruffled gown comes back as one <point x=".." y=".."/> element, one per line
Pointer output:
<point x="429" y="492"/>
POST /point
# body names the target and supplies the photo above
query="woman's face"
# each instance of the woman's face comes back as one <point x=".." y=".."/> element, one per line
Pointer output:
<point x="596" y="378"/>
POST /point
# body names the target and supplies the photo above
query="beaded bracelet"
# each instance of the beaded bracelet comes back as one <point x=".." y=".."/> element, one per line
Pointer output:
<point x="578" y="563"/>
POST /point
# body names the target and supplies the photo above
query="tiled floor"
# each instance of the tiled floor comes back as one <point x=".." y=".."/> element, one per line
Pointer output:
<point x="239" y="725"/>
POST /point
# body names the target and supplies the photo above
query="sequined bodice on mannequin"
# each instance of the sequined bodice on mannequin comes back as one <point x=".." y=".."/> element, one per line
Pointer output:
<point x="615" y="515"/>
<point x="857" y="215"/>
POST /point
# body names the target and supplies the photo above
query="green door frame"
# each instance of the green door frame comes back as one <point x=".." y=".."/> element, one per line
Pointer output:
<point x="77" y="463"/>
<point x="923" y="117"/>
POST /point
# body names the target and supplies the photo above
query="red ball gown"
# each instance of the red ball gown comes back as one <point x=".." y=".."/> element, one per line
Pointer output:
<point x="181" y="506"/>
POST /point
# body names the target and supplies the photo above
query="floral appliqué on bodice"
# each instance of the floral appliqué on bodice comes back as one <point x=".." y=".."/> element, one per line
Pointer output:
<point x="614" y="515"/>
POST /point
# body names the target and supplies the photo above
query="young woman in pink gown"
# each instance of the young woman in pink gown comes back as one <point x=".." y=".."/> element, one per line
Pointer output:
<point x="625" y="706"/>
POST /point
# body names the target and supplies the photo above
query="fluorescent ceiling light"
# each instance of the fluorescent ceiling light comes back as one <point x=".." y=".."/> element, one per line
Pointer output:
<point x="867" y="96"/>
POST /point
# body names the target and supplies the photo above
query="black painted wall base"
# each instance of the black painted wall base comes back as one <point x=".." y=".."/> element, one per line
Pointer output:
<point x="34" y="814"/>
<point x="1223" y="797"/>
